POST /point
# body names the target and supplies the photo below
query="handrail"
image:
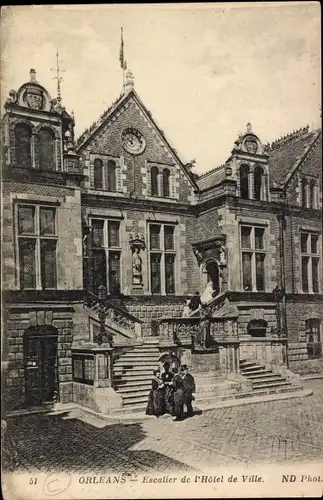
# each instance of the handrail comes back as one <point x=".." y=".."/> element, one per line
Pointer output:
<point x="111" y="306"/>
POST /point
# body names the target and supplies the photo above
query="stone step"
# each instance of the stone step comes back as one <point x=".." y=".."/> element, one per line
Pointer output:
<point x="265" y="385"/>
<point x="142" y="371"/>
<point x="126" y="362"/>
<point x="146" y="350"/>
<point x="248" y="363"/>
<point x="267" y="378"/>
<point x="127" y="379"/>
<point x="130" y="391"/>
<point x="250" y="371"/>
<point x="252" y="375"/>
<point x="140" y="407"/>
<point x="134" y="400"/>
<point x="134" y="358"/>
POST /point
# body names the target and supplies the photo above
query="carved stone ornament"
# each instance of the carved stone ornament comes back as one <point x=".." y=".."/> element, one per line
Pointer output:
<point x="13" y="97"/>
<point x="34" y="98"/>
<point x="251" y="145"/>
<point x="137" y="244"/>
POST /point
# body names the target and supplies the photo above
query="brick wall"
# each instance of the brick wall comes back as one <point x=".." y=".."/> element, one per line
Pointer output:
<point x="107" y="140"/>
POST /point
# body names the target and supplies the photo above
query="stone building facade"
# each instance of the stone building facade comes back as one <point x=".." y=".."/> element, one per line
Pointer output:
<point x="119" y="209"/>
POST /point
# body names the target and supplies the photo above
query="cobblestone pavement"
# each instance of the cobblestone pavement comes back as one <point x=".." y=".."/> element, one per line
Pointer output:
<point x="272" y="432"/>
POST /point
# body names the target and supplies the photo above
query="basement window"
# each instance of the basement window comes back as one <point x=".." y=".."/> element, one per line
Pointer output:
<point x="257" y="328"/>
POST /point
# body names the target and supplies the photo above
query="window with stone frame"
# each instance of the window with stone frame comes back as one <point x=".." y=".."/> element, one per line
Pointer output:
<point x="304" y="189"/>
<point x="23" y="143"/>
<point x="312" y="194"/>
<point x="106" y="254"/>
<point x="244" y="182"/>
<point x="162" y="255"/>
<point x="258" y="183"/>
<point x="37" y="243"/>
<point x="310" y="262"/>
<point x="154" y="173"/>
<point x="104" y="176"/>
<point x="46" y="149"/>
<point x="313" y="338"/>
<point x="253" y="256"/>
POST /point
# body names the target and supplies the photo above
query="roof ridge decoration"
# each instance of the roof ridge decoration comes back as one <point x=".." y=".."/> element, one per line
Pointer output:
<point x="282" y="141"/>
<point x="307" y="154"/>
<point x="96" y="124"/>
<point x="212" y="170"/>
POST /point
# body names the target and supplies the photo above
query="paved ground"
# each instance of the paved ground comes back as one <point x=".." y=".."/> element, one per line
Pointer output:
<point x="273" y="432"/>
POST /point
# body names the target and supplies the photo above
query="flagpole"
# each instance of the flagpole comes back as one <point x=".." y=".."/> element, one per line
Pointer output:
<point x="122" y="61"/>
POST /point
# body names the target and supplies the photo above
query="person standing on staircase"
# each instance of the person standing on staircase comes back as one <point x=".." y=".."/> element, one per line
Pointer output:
<point x="189" y="388"/>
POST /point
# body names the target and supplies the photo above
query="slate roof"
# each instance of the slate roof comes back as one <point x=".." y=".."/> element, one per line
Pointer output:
<point x="283" y="156"/>
<point x="211" y="178"/>
<point x="282" y="160"/>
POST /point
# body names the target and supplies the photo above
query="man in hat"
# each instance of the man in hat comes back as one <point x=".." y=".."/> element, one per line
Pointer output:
<point x="189" y="388"/>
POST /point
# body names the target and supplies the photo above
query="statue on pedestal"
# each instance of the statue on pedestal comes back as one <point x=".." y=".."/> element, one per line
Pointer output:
<point x="137" y="244"/>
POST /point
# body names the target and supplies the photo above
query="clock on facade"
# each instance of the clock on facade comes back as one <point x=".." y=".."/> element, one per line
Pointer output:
<point x="133" y="141"/>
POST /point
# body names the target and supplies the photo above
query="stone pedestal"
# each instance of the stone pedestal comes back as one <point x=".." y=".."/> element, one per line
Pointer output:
<point x="229" y="356"/>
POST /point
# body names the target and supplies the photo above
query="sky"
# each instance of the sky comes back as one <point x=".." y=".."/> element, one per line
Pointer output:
<point x="203" y="70"/>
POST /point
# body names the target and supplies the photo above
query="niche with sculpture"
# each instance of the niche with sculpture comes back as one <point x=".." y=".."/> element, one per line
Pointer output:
<point x="137" y="244"/>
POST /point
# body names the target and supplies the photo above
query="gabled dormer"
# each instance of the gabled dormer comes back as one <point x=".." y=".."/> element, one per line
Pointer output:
<point x="249" y="163"/>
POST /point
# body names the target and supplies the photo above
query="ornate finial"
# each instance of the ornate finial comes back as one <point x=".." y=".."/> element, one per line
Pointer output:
<point x="130" y="82"/>
<point x="249" y="128"/>
<point x="32" y="73"/>
<point x="58" y="77"/>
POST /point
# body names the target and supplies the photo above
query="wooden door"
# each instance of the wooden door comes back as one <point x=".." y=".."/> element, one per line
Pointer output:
<point x="40" y="368"/>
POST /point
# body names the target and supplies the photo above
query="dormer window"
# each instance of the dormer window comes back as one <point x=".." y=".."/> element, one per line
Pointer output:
<point x="46" y="142"/>
<point x="23" y="145"/>
<point x="258" y="183"/>
<point x="244" y="182"/>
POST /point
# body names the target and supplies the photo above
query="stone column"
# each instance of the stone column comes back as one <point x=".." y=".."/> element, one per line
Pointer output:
<point x="229" y="357"/>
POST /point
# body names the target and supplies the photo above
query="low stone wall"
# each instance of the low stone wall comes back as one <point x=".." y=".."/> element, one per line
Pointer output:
<point x="99" y="399"/>
<point x="265" y="351"/>
<point x="205" y="362"/>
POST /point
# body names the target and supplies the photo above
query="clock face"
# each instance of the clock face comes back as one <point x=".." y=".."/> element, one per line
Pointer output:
<point x="133" y="141"/>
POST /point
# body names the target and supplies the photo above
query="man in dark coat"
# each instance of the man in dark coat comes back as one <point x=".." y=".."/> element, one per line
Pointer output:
<point x="195" y="302"/>
<point x="189" y="388"/>
<point x="177" y="383"/>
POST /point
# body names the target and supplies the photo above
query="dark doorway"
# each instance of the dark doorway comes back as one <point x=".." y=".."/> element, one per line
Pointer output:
<point x="40" y="355"/>
<point x="213" y="275"/>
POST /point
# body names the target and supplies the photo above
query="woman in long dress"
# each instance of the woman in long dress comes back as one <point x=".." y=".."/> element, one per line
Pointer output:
<point x="179" y="400"/>
<point x="156" y="398"/>
<point x="167" y="378"/>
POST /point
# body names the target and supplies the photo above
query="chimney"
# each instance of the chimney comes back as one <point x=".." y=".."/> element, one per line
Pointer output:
<point x="32" y="75"/>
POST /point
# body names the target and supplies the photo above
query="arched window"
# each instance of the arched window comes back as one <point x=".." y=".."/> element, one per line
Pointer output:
<point x="154" y="181"/>
<point x="258" y="180"/>
<point x="46" y="142"/>
<point x="23" y="145"/>
<point x="166" y="178"/>
<point x="257" y="328"/>
<point x="304" y="193"/>
<point x="244" y="182"/>
<point x="112" y="186"/>
<point x="98" y="173"/>
<point x="312" y="194"/>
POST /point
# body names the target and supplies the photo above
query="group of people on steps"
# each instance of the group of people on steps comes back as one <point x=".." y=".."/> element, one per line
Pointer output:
<point x="170" y="391"/>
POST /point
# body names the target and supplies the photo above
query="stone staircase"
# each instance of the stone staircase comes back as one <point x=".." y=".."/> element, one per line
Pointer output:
<point x="132" y="374"/>
<point x="263" y="380"/>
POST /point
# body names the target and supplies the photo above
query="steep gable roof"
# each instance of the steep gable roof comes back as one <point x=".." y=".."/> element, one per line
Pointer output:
<point x="288" y="156"/>
<point x="114" y="108"/>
